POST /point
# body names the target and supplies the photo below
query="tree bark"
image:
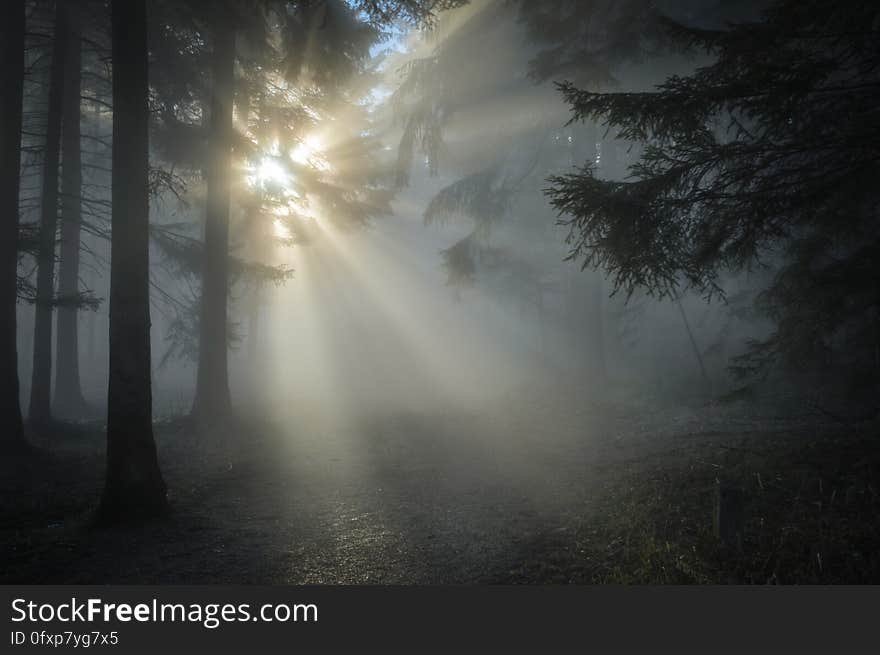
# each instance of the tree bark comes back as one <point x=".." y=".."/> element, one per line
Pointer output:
<point x="41" y="374"/>
<point x="212" y="398"/>
<point x="134" y="484"/>
<point x="11" y="81"/>
<point x="68" y="393"/>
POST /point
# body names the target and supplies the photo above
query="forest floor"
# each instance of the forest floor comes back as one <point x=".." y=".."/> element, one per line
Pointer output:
<point x="527" y="492"/>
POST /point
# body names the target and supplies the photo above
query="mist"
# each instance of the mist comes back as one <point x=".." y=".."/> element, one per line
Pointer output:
<point x="467" y="292"/>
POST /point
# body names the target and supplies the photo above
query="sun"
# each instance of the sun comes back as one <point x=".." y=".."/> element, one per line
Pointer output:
<point x="270" y="172"/>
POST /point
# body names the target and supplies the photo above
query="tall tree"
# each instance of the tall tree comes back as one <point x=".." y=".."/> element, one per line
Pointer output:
<point x="40" y="412"/>
<point x="587" y="40"/>
<point x="212" y="383"/>
<point x="336" y="26"/>
<point x="766" y="155"/>
<point x="134" y="484"/>
<point x="68" y="394"/>
<point x="12" y="19"/>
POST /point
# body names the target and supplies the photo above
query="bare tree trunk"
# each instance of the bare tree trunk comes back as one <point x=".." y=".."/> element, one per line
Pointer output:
<point x="41" y="375"/>
<point x="693" y="342"/>
<point x="68" y="393"/>
<point x="134" y="484"/>
<point x="11" y="81"/>
<point x="212" y="383"/>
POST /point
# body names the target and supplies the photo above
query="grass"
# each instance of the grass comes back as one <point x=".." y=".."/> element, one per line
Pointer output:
<point x="811" y="514"/>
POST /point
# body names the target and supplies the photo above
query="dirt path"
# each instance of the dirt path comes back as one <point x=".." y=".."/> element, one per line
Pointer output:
<point x="405" y="497"/>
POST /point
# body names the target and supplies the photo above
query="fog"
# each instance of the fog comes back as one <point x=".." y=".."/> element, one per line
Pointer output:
<point x="378" y="318"/>
<point x="488" y="274"/>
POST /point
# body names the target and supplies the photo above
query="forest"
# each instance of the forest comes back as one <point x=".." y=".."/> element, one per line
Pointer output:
<point x="439" y="292"/>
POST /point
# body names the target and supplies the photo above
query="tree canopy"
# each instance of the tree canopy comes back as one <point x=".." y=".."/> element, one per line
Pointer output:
<point x="765" y="155"/>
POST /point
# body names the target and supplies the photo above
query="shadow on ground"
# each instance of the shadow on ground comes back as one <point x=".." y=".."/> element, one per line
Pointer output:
<point x="441" y="497"/>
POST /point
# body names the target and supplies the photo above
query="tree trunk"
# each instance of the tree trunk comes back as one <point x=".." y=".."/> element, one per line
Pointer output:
<point x="134" y="484"/>
<point x="41" y="374"/>
<point x="11" y="81"/>
<point x="212" y="384"/>
<point x="68" y="393"/>
<point x="597" y="318"/>
<point x="694" y="347"/>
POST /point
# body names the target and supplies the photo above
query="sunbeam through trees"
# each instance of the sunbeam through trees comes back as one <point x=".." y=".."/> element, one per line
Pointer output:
<point x="439" y="291"/>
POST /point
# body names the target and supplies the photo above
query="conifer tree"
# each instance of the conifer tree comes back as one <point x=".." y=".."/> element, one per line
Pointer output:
<point x="134" y="484"/>
<point x="766" y="154"/>
<point x="12" y="29"/>
<point x="39" y="412"/>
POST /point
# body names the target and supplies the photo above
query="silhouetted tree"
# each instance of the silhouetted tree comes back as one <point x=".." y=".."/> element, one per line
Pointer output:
<point x="212" y="382"/>
<point x="12" y="28"/>
<point x="325" y="41"/>
<point x="39" y="411"/>
<point x="767" y="154"/>
<point x="587" y="40"/>
<point x="68" y="399"/>
<point x="134" y="484"/>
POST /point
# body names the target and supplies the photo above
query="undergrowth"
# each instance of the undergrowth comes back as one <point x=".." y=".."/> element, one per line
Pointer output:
<point x="811" y="514"/>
